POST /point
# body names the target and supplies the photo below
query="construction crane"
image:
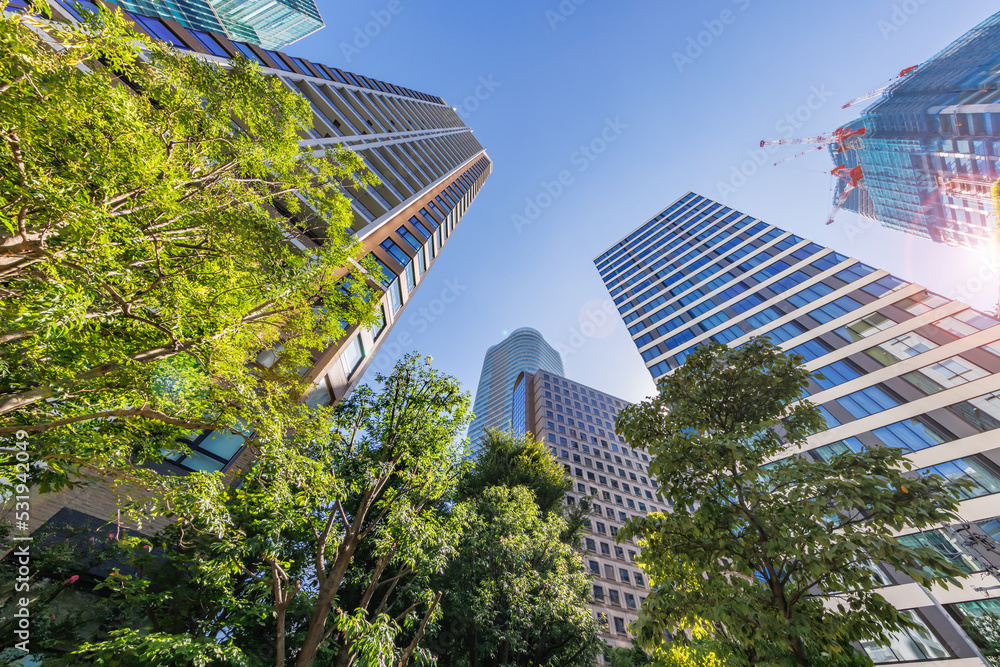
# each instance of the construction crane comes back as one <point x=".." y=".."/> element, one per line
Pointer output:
<point x="881" y="89"/>
<point x="853" y="177"/>
<point x="841" y="137"/>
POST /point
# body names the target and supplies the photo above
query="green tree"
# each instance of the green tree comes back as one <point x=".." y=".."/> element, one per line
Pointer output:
<point x="327" y="556"/>
<point x="509" y="460"/>
<point x="755" y="547"/>
<point x="626" y="657"/>
<point x="147" y="201"/>
<point x="516" y="592"/>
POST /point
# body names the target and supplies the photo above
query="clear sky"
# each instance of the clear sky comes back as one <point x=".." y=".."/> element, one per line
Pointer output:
<point x="682" y="93"/>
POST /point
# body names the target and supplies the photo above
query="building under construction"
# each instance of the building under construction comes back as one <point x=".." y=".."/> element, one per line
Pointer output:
<point x="924" y="154"/>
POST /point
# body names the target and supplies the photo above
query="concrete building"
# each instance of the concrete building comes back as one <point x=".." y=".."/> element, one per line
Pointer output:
<point x="577" y="424"/>
<point x="931" y="145"/>
<point x="903" y="367"/>
<point x="430" y="166"/>
<point x="523" y="350"/>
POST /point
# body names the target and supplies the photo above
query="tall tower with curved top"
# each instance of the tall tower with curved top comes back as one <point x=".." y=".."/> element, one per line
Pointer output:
<point x="523" y="350"/>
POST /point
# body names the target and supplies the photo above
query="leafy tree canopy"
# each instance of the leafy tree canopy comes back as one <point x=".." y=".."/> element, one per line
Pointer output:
<point x="508" y="460"/>
<point x="147" y="201"/>
<point x="326" y="557"/>
<point x="775" y="554"/>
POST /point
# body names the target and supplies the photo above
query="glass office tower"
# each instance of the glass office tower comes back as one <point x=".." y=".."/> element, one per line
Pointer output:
<point x="931" y="146"/>
<point x="523" y="350"/>
<point x="270" y="24"/>
<point x="903" y="367"/>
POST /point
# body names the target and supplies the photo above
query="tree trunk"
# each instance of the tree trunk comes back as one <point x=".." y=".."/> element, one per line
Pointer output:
<point x="324" y="604"/>
<point x="799" y="649"/>
<point x="405" y="658"/>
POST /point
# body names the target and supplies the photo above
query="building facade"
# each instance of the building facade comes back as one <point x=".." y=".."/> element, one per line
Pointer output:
<point x="269" y="24"/>
<point x="903" y="367"/>
<point x="523" y="350"/>
<point x="931" y="145"/>
<point x="430" y="166"/>
<point x="577" y="424"/>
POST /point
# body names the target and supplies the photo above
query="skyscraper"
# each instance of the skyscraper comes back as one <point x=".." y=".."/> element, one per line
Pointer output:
<point x="430" y="167"/>
<point x="902" y="367"/>
<point x="929" y="152"/>
<point x="577" y="425"/>
<point x="270" y="24"/>
<point x="523" y="350"/>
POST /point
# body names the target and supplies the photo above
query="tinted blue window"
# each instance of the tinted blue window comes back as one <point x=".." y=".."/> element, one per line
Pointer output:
<point x="159" y="30"/>
<point x="784" y="332"/>
<point x="836" y="373"/>
<point x="730" y="334"/>
<point x="914" y="434"/>
<point x="410" y="239"/>
<point x="831" y="421"/>
<point x="248" y="53"/>
<point x="827" y="452"/>
<point x="883" y="285"/>
<point x="866" y="402"/>
<point x="827" y="261"/>
<point x="278" y="62"/>
<point x="812" y="349"/>
<point x="210" y="43"/>
<point x="834" y="309"/>
<point x="809" y="294"/>
<point x="764" y="317"/>
<point x="387" y="275"/>
<point x="851" y="274"/>
<point x="395" y="251"/>
<point x="421" y="229"/>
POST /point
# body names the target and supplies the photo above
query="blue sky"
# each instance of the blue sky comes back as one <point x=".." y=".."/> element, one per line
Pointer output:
<point x="665" y="97"/>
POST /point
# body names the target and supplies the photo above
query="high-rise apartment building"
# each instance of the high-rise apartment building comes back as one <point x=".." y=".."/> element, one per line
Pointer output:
<point x="929" y="152"/>
<point x="577" y="424"/>
<point x="431" y="168"/>
<point x="523" y="350"/>
<point x="902" y="367"/>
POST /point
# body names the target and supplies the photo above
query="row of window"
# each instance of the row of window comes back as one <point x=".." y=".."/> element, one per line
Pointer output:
<point x="624" y="575"/>
<point x="799" y="299"/>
